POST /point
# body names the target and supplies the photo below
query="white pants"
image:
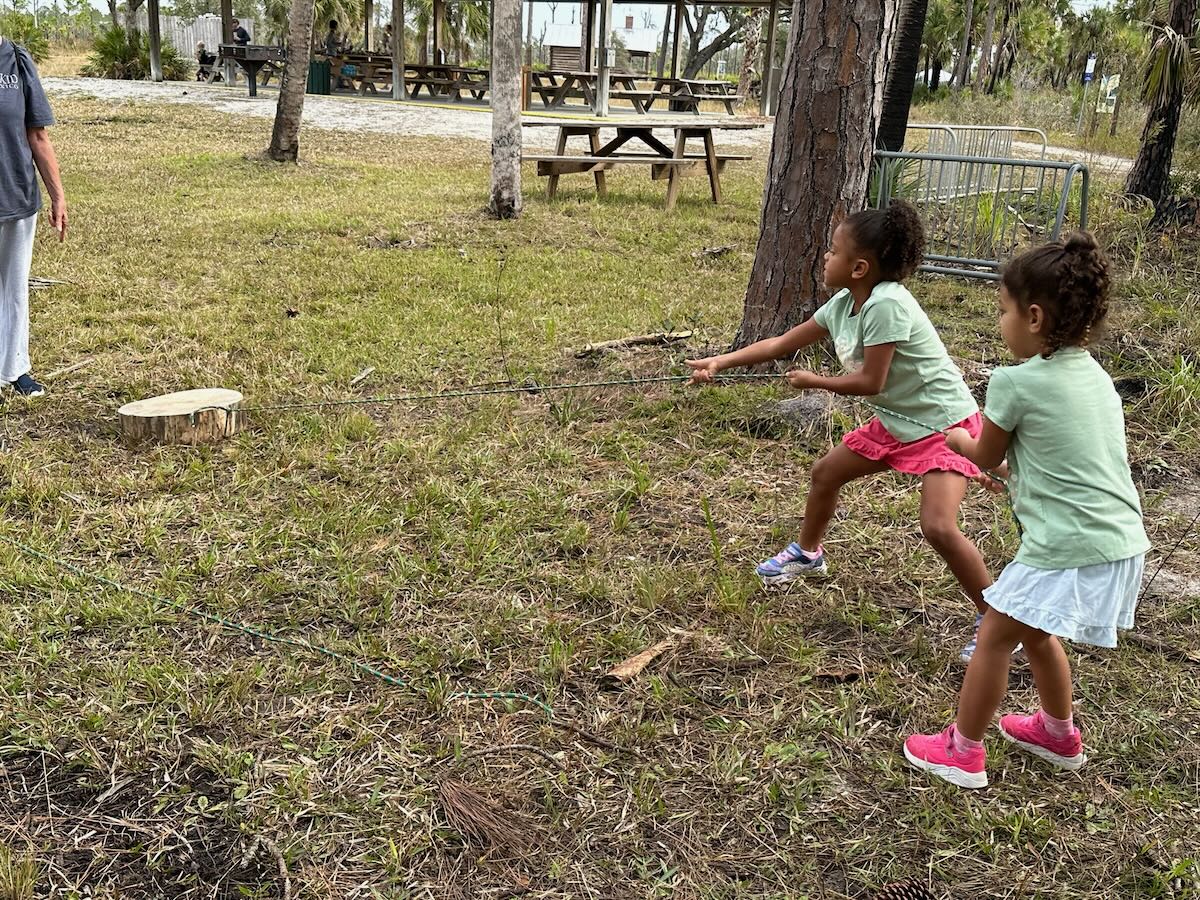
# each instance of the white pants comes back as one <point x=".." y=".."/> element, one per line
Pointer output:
<point x="16" y="257"/>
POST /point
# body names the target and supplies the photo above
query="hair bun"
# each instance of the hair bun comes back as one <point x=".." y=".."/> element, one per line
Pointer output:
<point x="1081" y="242"/>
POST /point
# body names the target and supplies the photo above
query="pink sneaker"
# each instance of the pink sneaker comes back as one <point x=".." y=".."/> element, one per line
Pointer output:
<point x="1029" y="733"/>
<point x="935" y="753"/>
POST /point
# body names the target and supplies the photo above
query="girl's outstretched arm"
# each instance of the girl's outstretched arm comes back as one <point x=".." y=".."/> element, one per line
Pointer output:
<point x="803" y="335"/>
<point x="866" y="381"/>
<point x="987" y="451"/>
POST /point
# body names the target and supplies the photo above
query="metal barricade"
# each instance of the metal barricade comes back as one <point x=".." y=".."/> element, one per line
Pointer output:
<point x="975" y="141"/>
<point x="980" y="211"/>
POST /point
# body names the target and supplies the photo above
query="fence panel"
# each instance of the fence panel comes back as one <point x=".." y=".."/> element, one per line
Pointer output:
<point x="980" y="211"/>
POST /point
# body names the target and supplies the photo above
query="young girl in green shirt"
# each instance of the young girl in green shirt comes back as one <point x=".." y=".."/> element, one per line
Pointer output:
<point x="1057" y="419"/>
<point x="894" y="358"/>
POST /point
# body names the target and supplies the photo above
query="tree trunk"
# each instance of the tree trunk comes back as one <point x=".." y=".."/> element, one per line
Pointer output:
<point x="285" y="137"/>
<point x="506" y="110"/>
<point x="1112" y="129"/>
<point x="821" y="154"/>
<point x="926" y="68"/>
<point x="902" y="75"/>
<point x="1152" y="169"/>
<point x="1001" y="44"/>
<point x="935" y="77"/>
<point x="112" y="12"/>
<point x="985" y="49"/>
<point x="666" y="42"/>
<point x="962" y="65"/>
<point x="423" y="55"/>
<point x="752" y="37"/>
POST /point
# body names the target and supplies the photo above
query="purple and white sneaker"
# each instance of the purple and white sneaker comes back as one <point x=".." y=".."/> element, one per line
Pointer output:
<point x="791" y="563"/>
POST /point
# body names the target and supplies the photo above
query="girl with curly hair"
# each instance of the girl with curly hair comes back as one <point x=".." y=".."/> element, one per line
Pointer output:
<point x="1057" y="418"/>
<point x="894" y="358"/>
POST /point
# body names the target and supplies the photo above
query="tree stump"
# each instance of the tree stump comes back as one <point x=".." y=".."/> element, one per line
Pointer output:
<point x="203" y="416"/>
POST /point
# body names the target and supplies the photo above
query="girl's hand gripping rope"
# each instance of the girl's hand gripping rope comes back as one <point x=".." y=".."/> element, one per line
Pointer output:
<point x="704" y="371"/>
<point x="801" y="379"/>
<point x="960" y="441"/>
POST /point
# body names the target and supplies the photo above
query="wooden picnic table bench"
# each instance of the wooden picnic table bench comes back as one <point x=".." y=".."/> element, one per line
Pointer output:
<point x="689" y="93"/>
<point x="447" y="81"/>
<point x="663" y="161"/>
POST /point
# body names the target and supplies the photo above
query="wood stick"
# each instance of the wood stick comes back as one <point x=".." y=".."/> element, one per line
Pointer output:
<point x="637" y="340"/>
<point x="626" y="671"/>
<point x="530" y="748"/>
<point x="74" y="367"/>
<point x="361" y="376"/>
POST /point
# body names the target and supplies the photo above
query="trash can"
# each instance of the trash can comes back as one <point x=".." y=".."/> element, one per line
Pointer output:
<point x="318" y="76"/>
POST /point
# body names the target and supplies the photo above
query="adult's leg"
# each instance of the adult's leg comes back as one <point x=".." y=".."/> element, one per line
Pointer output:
<point x="941" y="496"/>
<point x="16" y="258"/>
<point x="836" y="468"/>
<point x="986" y="681"/>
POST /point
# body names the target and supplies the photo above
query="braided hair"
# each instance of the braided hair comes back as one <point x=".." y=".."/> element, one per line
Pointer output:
<point x="1070" y="280"/>
<point x="894" y="236"/>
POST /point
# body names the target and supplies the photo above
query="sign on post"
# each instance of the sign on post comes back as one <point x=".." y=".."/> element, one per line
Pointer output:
<point x="1090" y="71"/>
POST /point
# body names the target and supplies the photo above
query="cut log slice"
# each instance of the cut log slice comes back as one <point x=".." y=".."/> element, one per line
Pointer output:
<point x="203" y="416"/>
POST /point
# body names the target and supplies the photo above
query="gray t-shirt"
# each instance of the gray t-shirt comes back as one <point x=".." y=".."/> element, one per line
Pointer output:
<point x="23" y="105"/>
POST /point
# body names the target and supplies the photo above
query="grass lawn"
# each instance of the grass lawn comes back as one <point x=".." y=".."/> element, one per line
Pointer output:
<point x="522" y="543"/>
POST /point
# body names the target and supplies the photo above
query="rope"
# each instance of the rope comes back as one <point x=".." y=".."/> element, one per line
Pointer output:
<point x="271" y="637"/>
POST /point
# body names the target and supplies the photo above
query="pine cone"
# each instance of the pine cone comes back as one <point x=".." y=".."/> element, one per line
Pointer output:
<point x="906" y="890"/>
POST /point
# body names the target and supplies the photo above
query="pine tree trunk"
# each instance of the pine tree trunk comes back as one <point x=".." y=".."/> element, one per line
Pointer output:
<point x="962" y="66"/>
<point x="285" y="137"/>
<point x="666" y="42"/>
<point x="902" y="75"/>
<point x="1112" y="129"/>
<point x="506" y="110"/>
<point x="753" y="37"/>
<point x="985" y="49"/>
<point x="821" y="154"/>
<point x="1151" y="170"/>
<point x="935" y="77"/>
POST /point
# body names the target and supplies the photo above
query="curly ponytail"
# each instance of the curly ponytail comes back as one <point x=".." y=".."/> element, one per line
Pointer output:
<point x="895" y="237"/>
<point x="1070" y="280"/>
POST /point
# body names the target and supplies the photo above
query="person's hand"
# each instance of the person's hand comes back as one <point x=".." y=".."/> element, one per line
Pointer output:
<point x="58" y="218"/>
<point x="801" y="378"/>
<point x="994" y="480"/>
<point x="958" y="439"/>
<point x="704" y="371"/>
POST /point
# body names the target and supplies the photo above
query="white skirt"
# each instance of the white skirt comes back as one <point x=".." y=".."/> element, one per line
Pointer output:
<point x="1086" y="605"/>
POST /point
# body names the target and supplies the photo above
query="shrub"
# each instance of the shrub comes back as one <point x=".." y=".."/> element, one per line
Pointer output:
<point x="113" y="56"/>
<point x="19" y="28"/>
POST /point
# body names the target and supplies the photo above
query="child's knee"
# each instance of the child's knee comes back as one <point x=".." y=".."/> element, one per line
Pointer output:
<point x="824" y="474"/>
<point x="940" y="531"/>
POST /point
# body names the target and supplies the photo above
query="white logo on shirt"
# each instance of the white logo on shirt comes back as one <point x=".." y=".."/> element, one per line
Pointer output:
<point x="10" y="81"/>
<point x="848" y="352"/>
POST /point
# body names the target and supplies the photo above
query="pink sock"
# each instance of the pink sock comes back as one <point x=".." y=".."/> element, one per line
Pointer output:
<point x="965" y="745"/>
<point x="1058" y="728"/>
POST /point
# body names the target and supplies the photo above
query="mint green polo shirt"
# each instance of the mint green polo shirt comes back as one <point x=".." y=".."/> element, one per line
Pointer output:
<point x="1071" y="485"/>
<point x="923" y="383"/>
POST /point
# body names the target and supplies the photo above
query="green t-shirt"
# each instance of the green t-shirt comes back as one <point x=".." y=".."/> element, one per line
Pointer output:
<point x="1070" y="483"/>
<point x="923" y="383"/>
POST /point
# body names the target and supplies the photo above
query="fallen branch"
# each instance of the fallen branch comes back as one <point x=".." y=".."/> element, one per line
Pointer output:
<point x="1161" y="646"/>
<point x="74" y="367"/>
<point x="362" y="376"/>
<point x="484" y="821"/>
<point x="283" y="870"/>
<point x="529" y="748"/>
<point x="597" y="740"/>
<point x="638" y="340"/>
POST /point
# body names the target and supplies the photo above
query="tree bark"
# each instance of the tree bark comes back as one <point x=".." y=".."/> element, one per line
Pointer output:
<point x="753" y="35"/>
<point x="112" y="12"/>
<point x="1121" y="88"/>
<point x="962" y="65"/>
<point x="821" y="154"/>
<point x="666" y="42"/>
<point x="506" y="110"/>
<point x="902" y="75"/>
<point x="285" y="137"/>
<point x="1151" y="170"/>
<point x="935" y="76"/>
<point x="985" y="49"/>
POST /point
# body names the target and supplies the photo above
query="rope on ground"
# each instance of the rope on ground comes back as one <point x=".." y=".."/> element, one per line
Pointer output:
<point x="298" y="643"/>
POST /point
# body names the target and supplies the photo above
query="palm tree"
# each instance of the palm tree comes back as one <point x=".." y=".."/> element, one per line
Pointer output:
<point x="285" y="136"/>
<point x="506" y="110"/>
<point x="940" y="30"/>
<point x="962" y="69"/>
<point x="1169" y="69"/>
<point x="901" y="76"/>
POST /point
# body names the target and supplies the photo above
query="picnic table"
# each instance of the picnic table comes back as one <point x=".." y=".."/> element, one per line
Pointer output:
<point x="689" y="93"/>
<point x="555" y="87"/>
<point x="440" y="80"/>
<point x="252" y="58"/>
<point x="664" y="162"/>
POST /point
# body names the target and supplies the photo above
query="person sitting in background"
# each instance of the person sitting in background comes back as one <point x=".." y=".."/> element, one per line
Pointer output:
<point x="387" y="38"/>
<point x="333" y="39"/>
<point x="241" y="36"/>
<point x="204" y="62"/>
